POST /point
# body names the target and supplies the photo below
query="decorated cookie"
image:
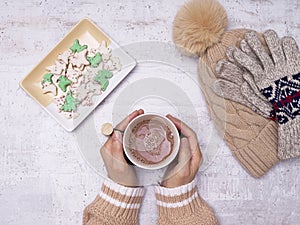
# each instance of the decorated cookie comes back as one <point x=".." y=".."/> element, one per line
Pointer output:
<point x="60" y="101"/>
<point x="113" y="64"/>
<point x="76" y="47"/>
<point x="47" y="78"/>
<point x="64" y="57"/>
<point x="90" y="73"/>
<point x="93" y="88"/>
<point x="95" y="60"/>
<point x="78" y="75"/>
<point x="87" y="101"/>
<point x="104" y="51"/>
<point x="55" y="79"/>
<point x="81" y="93"/>
<point x="49" y="88"/>
<point x="58" y="68"/>
<point x="116" y="63"/>
<point x="72" y="74"/>
<point x="63" y="83"/>
<point x="78" y="82"/>
<point x="79" y="59"/>
<point x="70" y="103"/>
<point x="51" y="69"/>
<point x="92" y="52"/>
<point x="102" y="77"/>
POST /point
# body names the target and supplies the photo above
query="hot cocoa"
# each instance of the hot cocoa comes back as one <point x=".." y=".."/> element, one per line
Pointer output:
<point x="151" y="141"/>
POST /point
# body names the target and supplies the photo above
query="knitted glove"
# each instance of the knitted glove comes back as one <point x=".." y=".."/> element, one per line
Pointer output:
<point x="232" y="85"/>
<point x="278" y="79"/>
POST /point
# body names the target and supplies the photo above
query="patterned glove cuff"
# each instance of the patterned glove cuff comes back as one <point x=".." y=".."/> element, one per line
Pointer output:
<point x="284" y="94"/>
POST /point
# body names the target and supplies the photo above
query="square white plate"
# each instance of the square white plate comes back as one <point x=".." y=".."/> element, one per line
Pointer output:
<point x="87" y="33"/>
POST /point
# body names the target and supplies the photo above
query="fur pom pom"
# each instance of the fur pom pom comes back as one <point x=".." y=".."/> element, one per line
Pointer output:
<point x="198" y="25"/>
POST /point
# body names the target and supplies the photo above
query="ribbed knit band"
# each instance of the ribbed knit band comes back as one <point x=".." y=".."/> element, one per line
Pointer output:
<point x="260" y="154"/>
<point x="117" y="201"/>
<point x="115" y="204"/>
<point x="289" y="139"/>
<point x="122" y="190"/>
<point x="174" y="198"/>
<point x="182" y="205"/>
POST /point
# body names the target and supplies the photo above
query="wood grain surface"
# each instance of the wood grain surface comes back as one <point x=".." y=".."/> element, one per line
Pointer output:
<point x="43" y="177"/>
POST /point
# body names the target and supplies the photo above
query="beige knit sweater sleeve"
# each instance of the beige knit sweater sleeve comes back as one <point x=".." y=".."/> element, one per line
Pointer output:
<point x="115" y="204"/>
<point x="183" y="205"/>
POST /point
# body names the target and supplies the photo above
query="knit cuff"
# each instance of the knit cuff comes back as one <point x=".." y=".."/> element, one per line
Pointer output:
<point x="178" y="201"/>
<point x="288" y="139"/>
<point x="118" y="200"/>
<point x="260" y="154"/>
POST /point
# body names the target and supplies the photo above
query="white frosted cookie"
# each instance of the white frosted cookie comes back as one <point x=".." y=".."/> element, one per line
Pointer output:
<point x="64" y="57"/>
<point x="79" y="59"/>
<point x="73" y="74"/>
<point x="58" y="68"/>
<point x="104" y="51"/>
<point x="79" y="74"/>
<point x="49" y="88"/>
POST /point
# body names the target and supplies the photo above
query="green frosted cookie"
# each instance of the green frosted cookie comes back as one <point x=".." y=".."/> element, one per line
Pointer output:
<point x="102" y="77"/>
<point x="76" y="47"/>
<point x="47" y="78"/>
<point x="70" y="103"/>
<point x="63" y="83"/>
<point x="95" y="61"/>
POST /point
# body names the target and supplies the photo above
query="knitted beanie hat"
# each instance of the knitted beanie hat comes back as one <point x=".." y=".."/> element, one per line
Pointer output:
<point x="199" y="30"/>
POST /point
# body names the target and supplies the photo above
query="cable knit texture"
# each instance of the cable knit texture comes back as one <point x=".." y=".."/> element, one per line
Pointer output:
<point x="183" y="205"/>
<point x="252" y="138"/>
<point x="115" y="204"/>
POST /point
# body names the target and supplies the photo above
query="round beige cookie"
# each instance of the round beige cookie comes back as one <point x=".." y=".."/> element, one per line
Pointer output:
<point x="107" y="129"/>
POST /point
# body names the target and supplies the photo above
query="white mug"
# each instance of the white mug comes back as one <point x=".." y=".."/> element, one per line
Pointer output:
<point x="161" y="119"/>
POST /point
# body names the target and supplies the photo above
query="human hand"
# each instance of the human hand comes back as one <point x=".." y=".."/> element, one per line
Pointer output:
<point x="112" y="153"/>
<point x="183" y="170"/>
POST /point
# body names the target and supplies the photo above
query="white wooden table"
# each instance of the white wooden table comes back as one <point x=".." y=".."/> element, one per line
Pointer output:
<point x="43" y="177"/>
